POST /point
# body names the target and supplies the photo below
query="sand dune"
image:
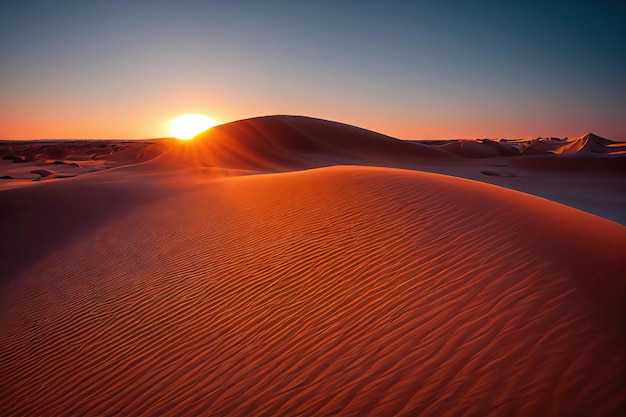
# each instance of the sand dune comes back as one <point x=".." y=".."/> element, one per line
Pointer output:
<point x="483" y="148"/>
<point x="176" y="286"/>
<point x="286" y="143"/>
<point x="586" y="145"/>
<point x="590" y="144"/>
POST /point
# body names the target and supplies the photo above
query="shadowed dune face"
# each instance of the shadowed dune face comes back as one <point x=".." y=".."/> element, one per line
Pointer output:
<point x="478" y="149"/>
<point x="336" y="291"/>
<point x="37" y="221"/>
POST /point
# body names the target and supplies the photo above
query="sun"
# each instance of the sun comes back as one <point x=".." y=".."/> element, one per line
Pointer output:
<point x="189" y="125"/>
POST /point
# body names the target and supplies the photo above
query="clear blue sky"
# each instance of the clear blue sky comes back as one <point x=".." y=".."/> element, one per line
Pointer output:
<point x="410" y="69"/>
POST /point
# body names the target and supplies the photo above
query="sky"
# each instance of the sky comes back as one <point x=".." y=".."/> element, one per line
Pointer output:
<point x="408" y="69"/>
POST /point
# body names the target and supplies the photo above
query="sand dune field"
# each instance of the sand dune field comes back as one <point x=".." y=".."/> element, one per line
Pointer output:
<point x="298" y="267"/>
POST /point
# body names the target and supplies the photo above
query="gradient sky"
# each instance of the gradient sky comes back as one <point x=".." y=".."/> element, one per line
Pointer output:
<point x="409" y="69"/>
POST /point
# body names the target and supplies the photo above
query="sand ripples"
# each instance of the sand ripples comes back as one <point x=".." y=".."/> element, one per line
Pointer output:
<point x="351" y="291"/>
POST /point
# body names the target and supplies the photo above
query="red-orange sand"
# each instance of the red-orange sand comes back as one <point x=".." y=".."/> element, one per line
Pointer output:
<point x="221" y="280"/>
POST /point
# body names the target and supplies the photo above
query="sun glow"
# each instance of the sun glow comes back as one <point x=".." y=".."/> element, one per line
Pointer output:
<point x="189" y="125"/>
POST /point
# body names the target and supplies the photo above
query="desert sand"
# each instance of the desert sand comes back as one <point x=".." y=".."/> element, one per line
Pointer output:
<point x="292" y="266"/>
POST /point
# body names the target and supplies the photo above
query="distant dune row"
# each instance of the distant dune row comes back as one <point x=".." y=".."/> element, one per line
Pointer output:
<point x="334" y="291"/>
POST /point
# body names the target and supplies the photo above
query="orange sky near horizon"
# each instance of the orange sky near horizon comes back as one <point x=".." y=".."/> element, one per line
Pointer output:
<point x="123" y="70"/>
<point x="154" y="119"/>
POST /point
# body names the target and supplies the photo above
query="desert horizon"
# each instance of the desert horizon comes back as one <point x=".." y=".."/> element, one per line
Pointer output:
<point x="510" y="138"/>
<point x="486" y="160"/>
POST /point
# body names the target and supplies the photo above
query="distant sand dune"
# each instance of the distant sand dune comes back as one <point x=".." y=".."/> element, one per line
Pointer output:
<point x="41" y="161"/>
<point x="479" y="149"/>
<point x="587" y="145"/>
<point x="591" y="144"/>
<point x="335" y="291"/>
<point x="287" y="143"/>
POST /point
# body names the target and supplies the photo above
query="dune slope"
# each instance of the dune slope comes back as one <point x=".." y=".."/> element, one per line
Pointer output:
<point x="335" y="291"/>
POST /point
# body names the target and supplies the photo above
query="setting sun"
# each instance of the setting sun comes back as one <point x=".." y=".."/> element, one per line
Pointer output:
<point x="189" y="125"/>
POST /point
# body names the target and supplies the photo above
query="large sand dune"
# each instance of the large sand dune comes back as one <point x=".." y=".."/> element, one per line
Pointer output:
<point x="178" y="286"/>
<point x="286" y="143"/>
